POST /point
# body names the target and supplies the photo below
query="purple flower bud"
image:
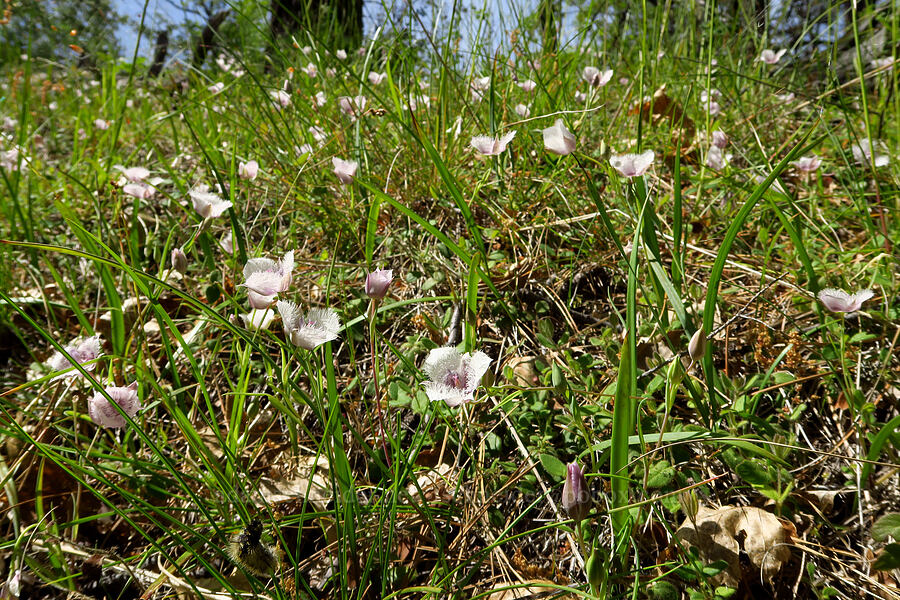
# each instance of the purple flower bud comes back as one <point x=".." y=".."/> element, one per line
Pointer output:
<point x="377" y="283"/>
<point x="179" y="260"/>
<point x="576" y="499"/>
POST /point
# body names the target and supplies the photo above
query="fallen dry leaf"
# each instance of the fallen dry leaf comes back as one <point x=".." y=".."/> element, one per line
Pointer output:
<point x="435" y="483"/>
<point x="308" y="478"/>
<point x="505" y="592"/>
<point x="662" y="110"/>
<point x="524" y="372"/>
<point x="723" y="533"/>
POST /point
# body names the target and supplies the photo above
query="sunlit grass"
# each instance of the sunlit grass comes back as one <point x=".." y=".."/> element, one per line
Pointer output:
<point x="655" y="187"/>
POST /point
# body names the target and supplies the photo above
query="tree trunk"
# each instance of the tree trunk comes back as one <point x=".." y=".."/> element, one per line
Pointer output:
<point x="159" y="54"/>
<point x="337" y="21"/>
<point x="206" y="41"/>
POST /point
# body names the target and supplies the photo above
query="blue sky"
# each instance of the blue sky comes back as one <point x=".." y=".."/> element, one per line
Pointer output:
<point x="158" y="11"/>
<point x="501" y="14"/>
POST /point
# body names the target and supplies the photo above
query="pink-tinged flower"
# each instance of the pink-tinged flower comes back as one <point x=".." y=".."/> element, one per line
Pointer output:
<point x="886" y="63"/>
<point x="101" y="124"/>
<point x="12" y="588"/>
<point x="229" y="65"/>
<point x="840" y="301"/>
<point x="632" y="165"/>
<point x="713" y="94"/>
<point x="309" y="331"/>
<point x="9" y="159"/>
<point x="216" y="87"/>
<point x="226" y="243"/>
<point x="456" y="128"/>
<point x="311" y="70"/>
<point x="488" y="146"/>
<point x="863" y="152"/>
<point x="377" y="283"/>
<point x="719" y="139"/>
<point x="179" y="261"/>
<point x="576" y="497"/>
<point x="248" y="170"/>
<point x="528" y="85"/>
<point x="376" y="78"/>
<point x="9" y="124"/>
<point x="454" y="376"/>
<point x="595" y="77"/>
<point x="281" y="98"/>
<point x="716" y="158"/>
<point x="330" y="73"/>
<point x="307" y="50"/>
<point x="478" y="87"/>
<point x="523" y="111"/>
<point x="580" y="97"/>
<point x="265" y="278"/>
<point x="786" y="97"/>
<point x="321" y="99"/>
<point x="419" y="101"/>
<point x="303" y="150"/>
<point x="132" y="174"/>
<point x="353" y="107"/>
<point x="139" y="190"/>
<point x="318" y="134"/>
<point x="82" y="351"/>
<point x="776" y="185"/>
<point x="207" y="204"/>
<point x="558" y="139"/>
<point x="344" y="169"/>
<point x="771" y="57"/>
<point x="258" y="320"/>
<point x="482" y="84"/>
<point x="341" y="54"/>
<point x="103" y="412"/>
<point x="807" y="164"/>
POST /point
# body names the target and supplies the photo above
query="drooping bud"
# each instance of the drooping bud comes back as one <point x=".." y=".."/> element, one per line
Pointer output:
<point x="377" y="283"/>
<point x="576" y="499"/>
<point x="697" y="345"/>
<point x="690" y="504"/>
<point x="179" y="260"/>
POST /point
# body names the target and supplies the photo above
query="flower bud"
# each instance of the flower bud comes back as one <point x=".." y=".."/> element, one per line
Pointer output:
<point x="576" y="500"/>
<point x="248" y="170"/>
<point x="595" y="568"/>
<point x="697" y="345"/>
<point x="689" y="503"/>
<point x="675" y="373"/>
<point x="377" y="283"/>
<point x="179" y="260"/>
